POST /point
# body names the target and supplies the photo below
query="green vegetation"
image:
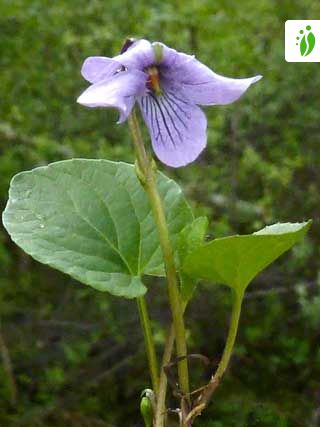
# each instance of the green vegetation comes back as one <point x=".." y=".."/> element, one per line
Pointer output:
<point x="75" y="357"/>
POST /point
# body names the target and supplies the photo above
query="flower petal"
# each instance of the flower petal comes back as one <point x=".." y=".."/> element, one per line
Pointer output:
<point x="138" y="56"/>
<point x="172" y="59"/>
<point x="97" y="68"/>
<point x="119" y="91"/>
<point x="200" y="84"/>
<point x="177" y="128"/>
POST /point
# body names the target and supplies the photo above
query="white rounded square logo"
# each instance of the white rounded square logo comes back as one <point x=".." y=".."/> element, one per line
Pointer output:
<point x="302" y="40"/>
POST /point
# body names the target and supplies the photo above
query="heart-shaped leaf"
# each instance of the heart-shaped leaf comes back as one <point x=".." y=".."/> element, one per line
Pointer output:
<point x="92" y="220"/>
<point x="234" y="261"/>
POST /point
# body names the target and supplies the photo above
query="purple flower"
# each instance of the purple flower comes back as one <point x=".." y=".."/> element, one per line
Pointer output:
<point x="169" y="86"/>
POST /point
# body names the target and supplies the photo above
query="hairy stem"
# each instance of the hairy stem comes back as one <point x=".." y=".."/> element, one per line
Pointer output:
<point x="208" y="391"/>
<point x="149" y="343"/>
<point x="147" y="176"/>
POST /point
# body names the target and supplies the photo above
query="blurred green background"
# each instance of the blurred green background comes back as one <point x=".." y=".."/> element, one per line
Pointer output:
<point x="77" y="355"/>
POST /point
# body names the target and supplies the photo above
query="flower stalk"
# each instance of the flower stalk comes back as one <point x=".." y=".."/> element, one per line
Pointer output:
<point x="146" y="174"/>
<point x="149" y="343"/>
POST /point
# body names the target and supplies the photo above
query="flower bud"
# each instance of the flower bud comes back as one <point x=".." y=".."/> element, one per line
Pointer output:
<point x="146" y="411"/>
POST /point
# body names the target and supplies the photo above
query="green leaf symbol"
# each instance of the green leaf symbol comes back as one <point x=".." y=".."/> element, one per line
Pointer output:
<point x="307" y="44"/>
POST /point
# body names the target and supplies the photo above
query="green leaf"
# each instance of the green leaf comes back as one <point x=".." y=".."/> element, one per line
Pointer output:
<point x="303" y="46"/>
<point x="307" y="44"/>
<point x="234" y="261"/>
<point x="312" y="41"/>
<point x="92" y="220"/>
<point x="191" y="237"/>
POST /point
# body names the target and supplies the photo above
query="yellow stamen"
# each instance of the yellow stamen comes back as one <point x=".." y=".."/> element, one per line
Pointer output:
<point x="154" y="80"/>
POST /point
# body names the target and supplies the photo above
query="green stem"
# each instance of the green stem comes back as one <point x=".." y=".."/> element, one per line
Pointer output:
<point x="233" y="329"/>
<point x="147" y="176"/>
<point x="163" y="382"/>
<point x="149" y="343"/>
<point x="160" y="415"/>
<point x="208" y="391"/>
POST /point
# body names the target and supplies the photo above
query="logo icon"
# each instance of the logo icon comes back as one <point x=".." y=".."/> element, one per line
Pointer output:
<point x="302" y="40"/>
<point x="306" y="40"/>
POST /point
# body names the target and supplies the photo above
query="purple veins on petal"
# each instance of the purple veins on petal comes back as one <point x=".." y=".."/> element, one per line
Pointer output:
<point x="169" y="87"/>
<point x="177" y="128"/>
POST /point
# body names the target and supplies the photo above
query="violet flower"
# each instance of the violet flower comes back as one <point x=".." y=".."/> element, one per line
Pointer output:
<point x="168" y="86"/>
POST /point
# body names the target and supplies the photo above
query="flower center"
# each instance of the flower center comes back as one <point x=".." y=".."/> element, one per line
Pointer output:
<point x="153" y="82"/>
